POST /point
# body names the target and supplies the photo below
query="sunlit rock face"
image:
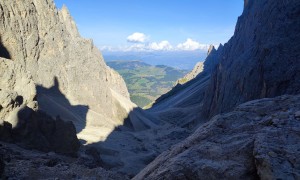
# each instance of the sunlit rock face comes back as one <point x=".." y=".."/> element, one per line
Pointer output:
<point x="46" y="43"/>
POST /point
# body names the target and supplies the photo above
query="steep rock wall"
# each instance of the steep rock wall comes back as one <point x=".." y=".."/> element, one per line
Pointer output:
<point x="260" y="60"/>
<point x="46" y="42"/>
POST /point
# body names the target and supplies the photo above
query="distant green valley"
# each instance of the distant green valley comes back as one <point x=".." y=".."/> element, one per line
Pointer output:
<point x="146" y="82"/>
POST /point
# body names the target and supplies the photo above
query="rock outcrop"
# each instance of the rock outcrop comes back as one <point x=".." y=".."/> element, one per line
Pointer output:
<point x="17" y="90"/>
<point x="191" y="75"/>
<point x="199" y="67"/>
<point x="259" y="139"/>
<point x="37" y="130"/>
<point x="260" y="60"/>
<point x="23" y="123"/>
<point x="20" y="120"/>
<point x="50" y="76"/>
<point x="46" y="43"/>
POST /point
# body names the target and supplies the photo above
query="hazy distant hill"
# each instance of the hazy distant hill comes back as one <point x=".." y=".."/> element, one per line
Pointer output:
<point x="146" y="82"/>
<point x="176" y="59"/>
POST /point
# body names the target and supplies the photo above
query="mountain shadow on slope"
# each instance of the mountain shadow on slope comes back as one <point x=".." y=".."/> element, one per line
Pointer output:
<point x="133" y="145"/>
<point x="37" y="130"/>
<point x="55" y="103"/>
<point x="48" y="128"/>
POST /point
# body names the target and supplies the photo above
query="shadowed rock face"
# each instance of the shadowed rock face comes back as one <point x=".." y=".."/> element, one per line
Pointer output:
<point x="38" y="130"/>
<point x="259" y="139"/>
<point x="260" y="60"/>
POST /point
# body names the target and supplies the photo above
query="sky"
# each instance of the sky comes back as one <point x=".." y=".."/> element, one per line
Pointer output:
<point x="155" y="25"/>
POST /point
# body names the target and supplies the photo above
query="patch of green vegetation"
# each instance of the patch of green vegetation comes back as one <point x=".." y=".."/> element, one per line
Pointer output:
<point x="182" y="80"/>
<point x="140" y="100"/>
<point x="145" y="83"/>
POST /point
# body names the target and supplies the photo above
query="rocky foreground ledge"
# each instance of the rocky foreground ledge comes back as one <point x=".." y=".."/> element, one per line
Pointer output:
<point x="259" y="139"/>
<point x="18" y="163"/>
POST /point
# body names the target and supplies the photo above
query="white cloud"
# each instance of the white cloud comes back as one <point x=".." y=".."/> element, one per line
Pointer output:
<point x="191" y="45"/>
<point x="135" y="47"/>
<point x="163" y="45"/>
<point x="106" y="48"/>
<point x="137" y="37"/>
<point x="141" y="45"/>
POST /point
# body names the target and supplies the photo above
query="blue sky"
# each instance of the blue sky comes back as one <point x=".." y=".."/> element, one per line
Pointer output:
<point x="157" y="24"/>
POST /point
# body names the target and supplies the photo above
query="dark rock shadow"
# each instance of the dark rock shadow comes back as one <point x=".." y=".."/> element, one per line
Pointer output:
<point x="128" y="149"/>
<point x="4" y="53"/>
<point x="54" y="102"/>
<point x="37" y="130"/>
<point x="53" y="127"/>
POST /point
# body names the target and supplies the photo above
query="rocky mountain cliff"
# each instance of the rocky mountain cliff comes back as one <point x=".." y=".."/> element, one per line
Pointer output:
<point x="199" y="67"/>
<point x="260" y="60"/>
<point x="22" y="122"/>
<point x="191" y="75"/>
<point x="72" y="78"/>
<point x="257" y="139"/>
<point x="50" y="77"/>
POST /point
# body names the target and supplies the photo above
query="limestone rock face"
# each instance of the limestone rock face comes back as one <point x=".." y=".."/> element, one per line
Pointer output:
<point x="259" y="139"/>
<point x="191" y="75"/>
<point x="45" y="41"/>
<point x="209" y="63"/>
<point x="23" y="123"/>
<point x="260" y="60"/>
<point x="17" y="89"/>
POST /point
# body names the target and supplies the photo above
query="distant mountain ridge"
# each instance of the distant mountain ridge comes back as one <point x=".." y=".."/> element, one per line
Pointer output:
<point x="176" y="59"/>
